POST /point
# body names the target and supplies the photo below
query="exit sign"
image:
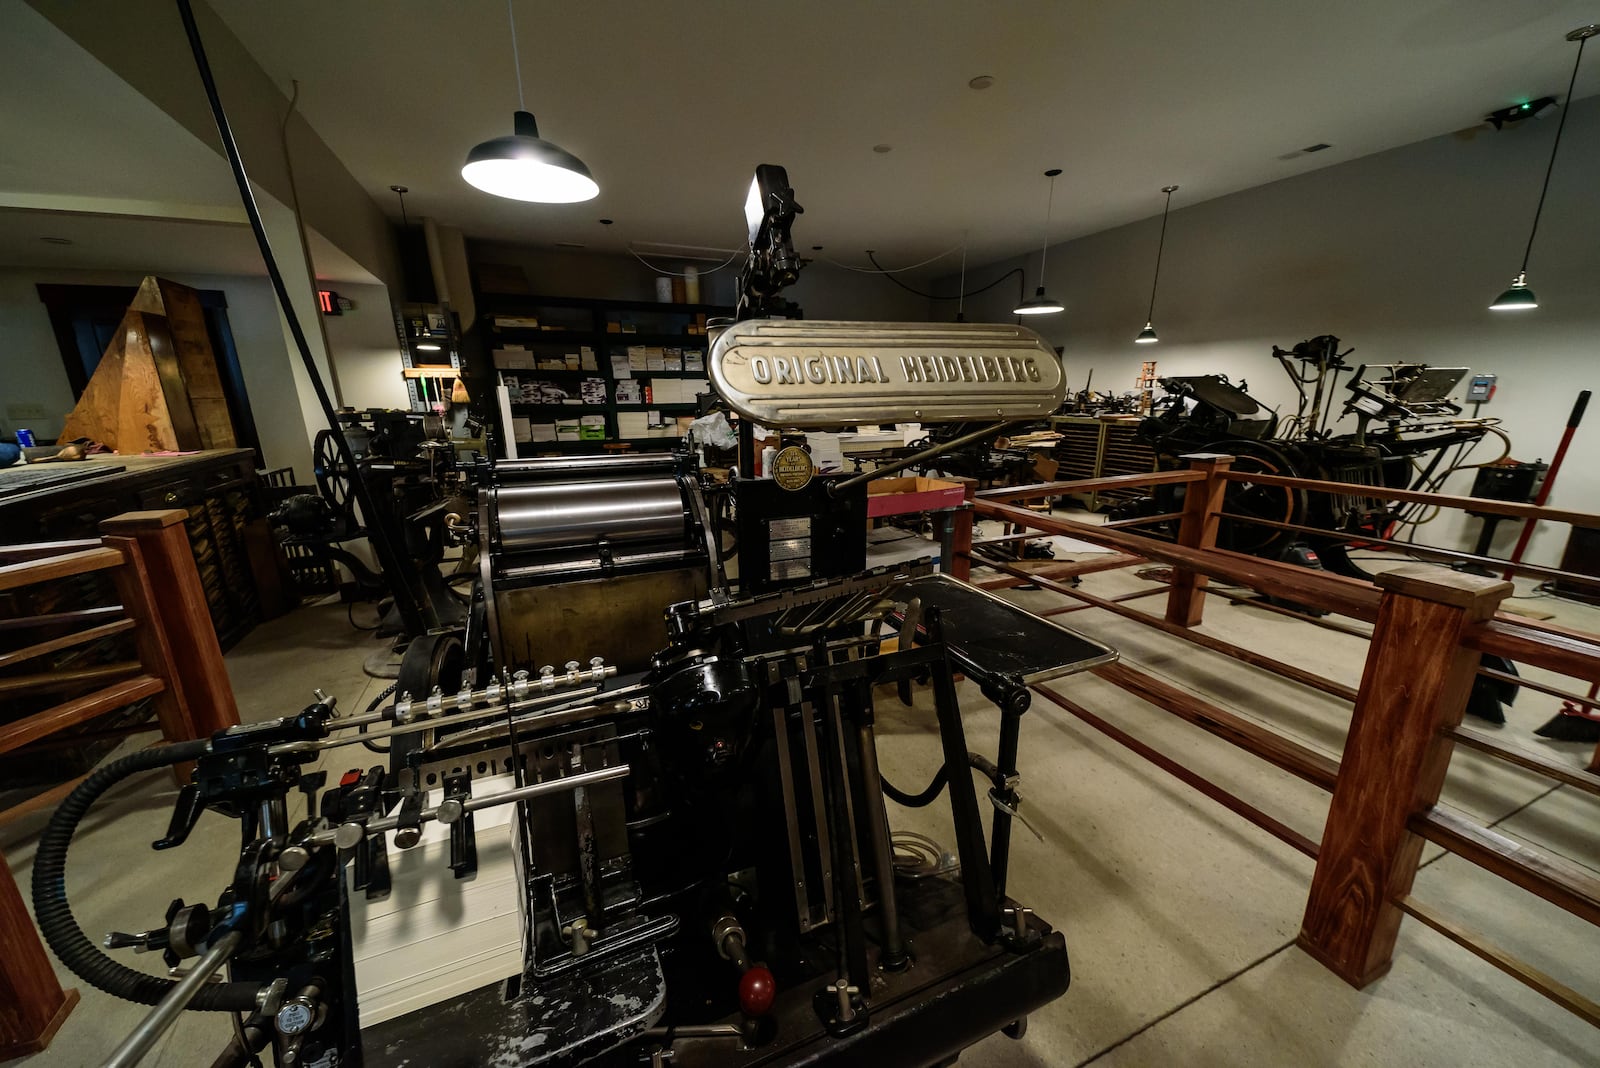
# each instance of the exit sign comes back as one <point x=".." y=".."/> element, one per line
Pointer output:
<point x="331" y="303"/>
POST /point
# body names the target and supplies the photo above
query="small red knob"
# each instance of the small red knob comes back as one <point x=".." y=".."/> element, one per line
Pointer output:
<point x="757" y="991"/>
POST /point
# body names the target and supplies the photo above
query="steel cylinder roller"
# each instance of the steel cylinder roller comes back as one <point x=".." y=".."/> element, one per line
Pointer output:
<point x="566" y="541"/>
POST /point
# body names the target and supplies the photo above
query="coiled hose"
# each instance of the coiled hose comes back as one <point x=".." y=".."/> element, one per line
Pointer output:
<point x="54" y="914"/>
<point x="940" y="777"/>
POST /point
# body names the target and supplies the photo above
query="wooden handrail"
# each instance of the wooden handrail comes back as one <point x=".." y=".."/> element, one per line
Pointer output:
<point x="53" y="568"/>
<point x="1299" y="760"/>
<point x="1521" y="971"/>
<point x="1320" y="589"/>
<point x="1531" y="759"/>
<point x="67" y="641"/>
<point x="1442" y="500"/>
<point x="1195" y="637"/>
<point x="1423" y="551"/>
<point x="1057" y="489"/>
<point x="1565" y="654"/>
<point x="36" y="550"/>
<point x="1558" y="880"/>
<point x="1021" y="576"/>
<point x="1232" y="802"/>
<point x="20" y="732"/>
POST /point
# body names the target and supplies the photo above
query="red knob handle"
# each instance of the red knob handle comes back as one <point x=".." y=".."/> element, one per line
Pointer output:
<point x="757" y="991"/>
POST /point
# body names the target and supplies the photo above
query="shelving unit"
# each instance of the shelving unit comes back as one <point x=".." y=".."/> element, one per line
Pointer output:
<point x="591" y="339"/>
<point x="1092" y="447"/>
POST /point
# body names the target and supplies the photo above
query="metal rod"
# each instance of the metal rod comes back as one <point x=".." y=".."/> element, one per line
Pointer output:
<point x="451" y="811"/>
<point x="435" y="722"/>
<point x="165" y="1014"/>
<point x="1420" y="550"/>
<point x="836" y="488"/>
<point x="893" y="955"/>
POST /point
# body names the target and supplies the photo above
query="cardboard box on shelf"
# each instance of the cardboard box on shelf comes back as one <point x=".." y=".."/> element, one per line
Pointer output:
<point x="896" y="496"/>
<point x="513" y="358"/>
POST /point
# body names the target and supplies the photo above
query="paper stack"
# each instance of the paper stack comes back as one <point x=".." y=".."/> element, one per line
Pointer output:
<point x="436" y="936"/>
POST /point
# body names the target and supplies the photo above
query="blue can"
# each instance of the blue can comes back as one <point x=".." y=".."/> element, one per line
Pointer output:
<point x="25" y="438"/>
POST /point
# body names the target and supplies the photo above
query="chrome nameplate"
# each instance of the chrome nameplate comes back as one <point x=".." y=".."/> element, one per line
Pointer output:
<point x="815" y="374"/>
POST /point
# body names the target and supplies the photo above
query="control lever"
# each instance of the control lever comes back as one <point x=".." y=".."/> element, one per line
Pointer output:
<point x="463" y="833"/>
<point x="408" y="826"/>
<point x="185" y="814"/>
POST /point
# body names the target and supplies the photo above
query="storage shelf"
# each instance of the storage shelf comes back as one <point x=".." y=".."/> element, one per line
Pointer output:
<point x="694" y="341"/>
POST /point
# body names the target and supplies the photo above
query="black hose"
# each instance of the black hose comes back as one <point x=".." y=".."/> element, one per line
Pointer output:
<point x="373" y="707"/>
<point x="936" y="787"/>
<point x="236" y="1055"/>
<point x="54" y="914"/>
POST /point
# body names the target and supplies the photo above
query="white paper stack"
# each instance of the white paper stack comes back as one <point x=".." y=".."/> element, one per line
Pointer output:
<point x="620" y="368"/>
<point x="542" y="432"/>
<point x="436" y="936"/>
<point x="633" y="424"/>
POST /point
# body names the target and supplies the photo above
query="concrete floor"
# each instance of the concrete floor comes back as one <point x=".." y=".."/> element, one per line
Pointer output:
<point x="1180" y="917"/>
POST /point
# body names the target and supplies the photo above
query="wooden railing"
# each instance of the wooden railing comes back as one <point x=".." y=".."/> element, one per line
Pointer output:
<point x="178" y="668"/>
<point x="1429" y="627"/>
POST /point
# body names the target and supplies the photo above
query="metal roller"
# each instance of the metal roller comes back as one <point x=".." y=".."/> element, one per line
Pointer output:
<point x="562" y="468"/>
<point x="551" y="515"/>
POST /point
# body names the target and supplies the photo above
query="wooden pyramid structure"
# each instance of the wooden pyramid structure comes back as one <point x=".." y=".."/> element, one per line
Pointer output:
<point x="157" y="388"/>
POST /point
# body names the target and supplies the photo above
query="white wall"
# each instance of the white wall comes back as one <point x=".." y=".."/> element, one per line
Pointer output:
<point x="1398" y="254"/>
<point x="365" y="351"/>
<point x="34" y="372"/>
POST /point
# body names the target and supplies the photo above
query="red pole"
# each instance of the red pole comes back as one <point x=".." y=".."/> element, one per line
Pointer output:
<point x="1550" y="479"/>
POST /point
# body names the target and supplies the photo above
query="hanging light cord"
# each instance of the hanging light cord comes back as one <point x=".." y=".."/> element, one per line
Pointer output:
<point x="681" y="274"/>
<point x="1566" y="106"/>
<point x="1160" y="245"/>
<point x="877" y="269"/>
<point x="1049" y="203"/>
<point x="405" y="222"/>
<point x="961" y="297"/>
<point x="516" y="62"/>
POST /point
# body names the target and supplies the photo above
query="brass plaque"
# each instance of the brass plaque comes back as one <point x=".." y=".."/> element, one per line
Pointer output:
<point x="816" y="374"/>
<point x="792" y="468"/>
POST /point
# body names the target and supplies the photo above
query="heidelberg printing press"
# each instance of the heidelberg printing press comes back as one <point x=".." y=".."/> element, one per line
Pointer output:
<point x="654" y="766"/>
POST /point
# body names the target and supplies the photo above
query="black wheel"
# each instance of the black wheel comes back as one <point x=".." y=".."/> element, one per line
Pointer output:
<point x="1278" y="504"/>
<point x="333" y="477"/>
<point x="429" y="661"/>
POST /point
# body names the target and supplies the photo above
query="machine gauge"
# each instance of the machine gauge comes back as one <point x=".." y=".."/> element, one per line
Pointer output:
<point x="294" y="1018"/>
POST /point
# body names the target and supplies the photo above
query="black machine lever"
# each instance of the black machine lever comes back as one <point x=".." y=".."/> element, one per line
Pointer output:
<point x="463" y="833"/>
<point x="185" y="814"/>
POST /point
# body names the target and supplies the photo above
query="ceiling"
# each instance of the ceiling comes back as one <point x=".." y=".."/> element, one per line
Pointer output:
<point x="94" y="163"/>
<point x="671" y="104"/>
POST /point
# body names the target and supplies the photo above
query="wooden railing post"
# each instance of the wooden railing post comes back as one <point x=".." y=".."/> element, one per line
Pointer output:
<point x="1416" y="683"/>
<point x="198" y="672"/>
<point x="32" y="1004"/>
<point x="956" y="555"/>
<point x="1197" y="530"/>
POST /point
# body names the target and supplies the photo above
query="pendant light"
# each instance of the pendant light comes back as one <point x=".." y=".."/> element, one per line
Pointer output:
<point x="1147" y="336"/>
<point x="1519" y="297"/>
<point x="1041" y="304"/>
<point x="524" y="166"/>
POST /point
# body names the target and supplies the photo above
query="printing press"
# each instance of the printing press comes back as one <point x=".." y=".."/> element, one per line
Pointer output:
<point x="654" y="765"/>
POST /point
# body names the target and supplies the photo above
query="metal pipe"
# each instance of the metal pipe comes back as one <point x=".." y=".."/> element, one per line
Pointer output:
<point x="893" y="956"/>
<point x="452" y="810"/>
<point x="836" y="488"/>
<point x="165" y="1014"/>
<point x="619" y="703"/>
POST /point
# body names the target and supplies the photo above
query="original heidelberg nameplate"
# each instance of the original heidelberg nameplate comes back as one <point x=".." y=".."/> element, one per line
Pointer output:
<point x="815" y="374"/>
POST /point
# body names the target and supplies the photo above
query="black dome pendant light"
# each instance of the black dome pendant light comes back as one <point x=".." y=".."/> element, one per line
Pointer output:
<point x="1519" y="297"/>
<point x="1147" y="336"/>
<point x="1041" y="304"/>
<point x="524" y="166"/>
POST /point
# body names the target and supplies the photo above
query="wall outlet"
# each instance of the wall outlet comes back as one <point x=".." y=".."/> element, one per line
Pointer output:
<point x="25" y="413"/>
